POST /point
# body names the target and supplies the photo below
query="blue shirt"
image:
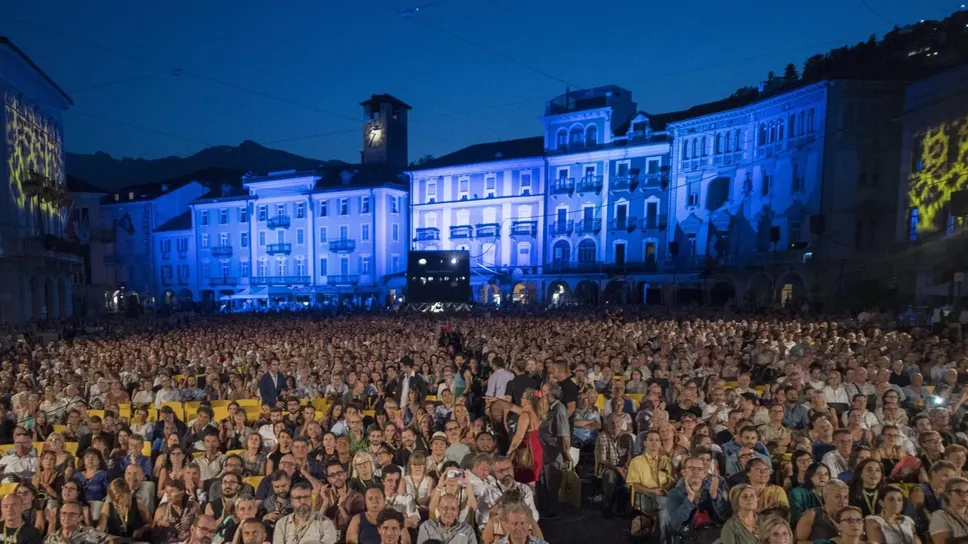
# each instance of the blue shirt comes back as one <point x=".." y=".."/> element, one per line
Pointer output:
<point x="95" y="489"/>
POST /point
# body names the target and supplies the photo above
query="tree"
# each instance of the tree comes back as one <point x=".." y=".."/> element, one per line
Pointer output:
<point x="421" y="161"/>
<point x="771" y="76"/>
<point x="790" y="73"/>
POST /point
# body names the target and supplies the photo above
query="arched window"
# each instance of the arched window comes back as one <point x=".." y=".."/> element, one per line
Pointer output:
<point x="810" y="121"/>
<point x="800" y="124"/>
<point x="576" y="136"/>
<point x="763" y="134"/>
<point x="702" y="146"/>
<point x="561" y="139"/>
<point x="561" y="252"/>
<point x="739" y="140"/>
<point x="591" y="135"/>
<point x="685" y="149"/>
<point x="587" y="251"/>
<point x="718" y="146"/>
<point x="779" y="130"/>
<point x="695" y="148"/>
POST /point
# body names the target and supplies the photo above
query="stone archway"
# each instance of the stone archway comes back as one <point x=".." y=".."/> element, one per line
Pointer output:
<point x="586" y="292"/>
<point x="790" y="289"/>
<point x="615" y="293"/>
<point x="558" y="293"/>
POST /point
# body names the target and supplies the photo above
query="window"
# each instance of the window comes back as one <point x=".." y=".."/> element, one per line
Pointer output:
<point x="765" y="184"/>
<point x="526" y="184"/>
<point x="431" y="192"/>
<point x="300" y="210"/>
<point x="244" y="269"/>
<point x="322" y="265"/>
<point x="183" y="272"/>
<point x="182" y="245"/>
<point x="225" y="270"/>
<point x="281" y="236"/>
<point x="344" y="265"/>
<point x="223" y="239"/>
<point x="587" y="251"/>
<point x="223" y="216"/>
<point x="489" y="216"/>
<point x="591" y="135"/>
<point x="344" y="232"/>
<point x="280" y="209"/>
<point x="490" y="186"/>
<point x="300" y="267"/>
<point x="364" y="265"/>
<point x="652" y="166"/>
<point x="166" y="246"/>
<point x="204" y="218"/>
<point x="263" y="268"/>
<point x="166" y="273"/>
<point x="691" y="241"/>
<point x="394" y="263"/>
<point x="262" y="238"/>
<point x="810" y="119"/>
<point x="365" y="232"/>
<point x="797" y="183"/>
<point x="300" y="236"/>
<point x="344" y="206"/>
<point x="791" y="130"/>
<point x="263" y="212"/>
<point x="244" y="239"/>
<point x="394" y="205"/>
<point x="913" y="224"/>
<point x="463" y="188"/>
<point x="561" y="139"/>
<point x="204" y="241"/>
<point x="281" y="268"/>
<point x="243" y="214"/>
<point x="322" y="235"/>
<point x="323" y="208"/>
<point x="692" y="195"/>
<point x="395" y="232"/>
<point x="430" y="220"/>
<point x="365" y="204"/>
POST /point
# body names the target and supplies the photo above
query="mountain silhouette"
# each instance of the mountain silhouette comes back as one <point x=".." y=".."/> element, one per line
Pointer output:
<point x="112" y="174"/>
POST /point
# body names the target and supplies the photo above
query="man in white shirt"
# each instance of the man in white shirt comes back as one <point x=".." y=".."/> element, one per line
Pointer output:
<point x="22" y="464"/>
<point x="836" y="459"/>
<point x="499" y="379"/>
<point x="867" y="419"/>
<point x="493" y="489"/>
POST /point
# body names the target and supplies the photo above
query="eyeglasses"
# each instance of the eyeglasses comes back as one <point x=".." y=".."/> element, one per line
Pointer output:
<point x="336" y="474"/>
<point x="852" y="520"/>
<point x="961" y="492"/>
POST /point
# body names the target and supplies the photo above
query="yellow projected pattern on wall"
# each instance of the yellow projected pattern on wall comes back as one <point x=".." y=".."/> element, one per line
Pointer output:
<point x="944" y="170"/>
<point x="34" y="145"/>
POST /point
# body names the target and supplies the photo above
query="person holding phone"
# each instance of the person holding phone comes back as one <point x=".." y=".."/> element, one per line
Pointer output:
<point x="454" y="482"/>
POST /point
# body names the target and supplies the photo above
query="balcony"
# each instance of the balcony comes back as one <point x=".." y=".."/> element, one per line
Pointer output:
<point x="343" y="245"/>
<point x="627" y="224"/>
<point x="654" y="222"/>
<point x="222" y="251"/>
<point x="427" y="234"/>
<point x="461" y="232"/>
<point x="563" y="186"/>
<point x="488" y="230"/>
<point x="278" y="222"/>
<point x="279" y="280"/>
<point x="590" y="184"/>
<point x="568" y="267"/>
<point x="221" y="280"/>
<point x="343" y="279"/>
<point x="588" y="226"/>
<point x="562" y="228"/>
<point x="651" y="181"/>
<point x="625" y="183"/>
<point x="279" y="249"/>
<point x="524" y="228"/>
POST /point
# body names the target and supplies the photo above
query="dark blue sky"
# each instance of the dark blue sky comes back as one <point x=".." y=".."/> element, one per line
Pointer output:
<point x="253" y="70"/>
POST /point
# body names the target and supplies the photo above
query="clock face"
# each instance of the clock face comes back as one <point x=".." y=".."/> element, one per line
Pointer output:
<point x="375" y="135"/>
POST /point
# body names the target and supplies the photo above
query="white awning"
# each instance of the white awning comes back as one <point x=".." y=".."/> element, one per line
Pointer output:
<point x="250" y="293"/>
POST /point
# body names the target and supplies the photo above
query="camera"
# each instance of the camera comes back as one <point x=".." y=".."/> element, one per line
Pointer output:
<point x="937" y="401"/>
<point x="455" y="474"/>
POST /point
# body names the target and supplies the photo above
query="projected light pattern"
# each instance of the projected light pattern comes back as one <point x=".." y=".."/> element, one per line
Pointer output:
<point x="34" y="145"/>
<point x="941" y="159"/>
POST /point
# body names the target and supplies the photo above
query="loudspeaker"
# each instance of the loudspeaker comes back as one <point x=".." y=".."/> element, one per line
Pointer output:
<point x="818" y="224"/>
<point x="674" y="248"/>
<point x="774" y="234"/>
<point x="959" y="203"/>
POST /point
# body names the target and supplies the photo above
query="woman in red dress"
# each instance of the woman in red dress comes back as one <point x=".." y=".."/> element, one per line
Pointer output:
<point x="522" y="423"/>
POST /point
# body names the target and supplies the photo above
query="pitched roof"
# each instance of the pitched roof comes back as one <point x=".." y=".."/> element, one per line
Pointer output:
<point x="78" y="185"/>
<point x="6" y="41"/>
<point x="380" y="98"/>
<point x="180" y="222"/>
<point x="489" y="152"/>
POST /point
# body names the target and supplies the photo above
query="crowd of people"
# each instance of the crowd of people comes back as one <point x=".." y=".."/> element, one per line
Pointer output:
<point x="293" y="429"/>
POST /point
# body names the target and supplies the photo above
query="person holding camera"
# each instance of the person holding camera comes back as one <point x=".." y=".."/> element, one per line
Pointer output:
<point x="455" y="482"/>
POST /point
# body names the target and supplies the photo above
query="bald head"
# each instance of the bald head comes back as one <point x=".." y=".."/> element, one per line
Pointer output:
<point x="11" y="510"/>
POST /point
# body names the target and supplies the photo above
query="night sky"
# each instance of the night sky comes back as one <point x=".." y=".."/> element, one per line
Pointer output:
<point x="473" y="70"/>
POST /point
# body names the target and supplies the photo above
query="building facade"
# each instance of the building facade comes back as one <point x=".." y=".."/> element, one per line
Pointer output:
<point x="930" y="264"/>
<point x="36" y="257"/>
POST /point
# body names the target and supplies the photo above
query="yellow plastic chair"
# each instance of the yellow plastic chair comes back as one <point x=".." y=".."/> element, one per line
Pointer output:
<point x="252" y="413"/>
<point x="98" y="413"/>
<point x="369" y="413"/>
<point x="600" y="403"/>
<point x="234" y="452"/>
<point x="178" y="378"/>
<point x="191" y="412"/>
<point x="177" y="407"/>
<point x="431" y="398"/>
<point x="146" y="449"/>
<point x="221" y="413"/>
<point x="124" y="410"/>
<point x="321" y="404"/>
<point x="4" y="448"/>
<point x="254" y="481"/>
<point x="197" y="454"/>
<point x="71" y="448"/>
<point x="39" y="447"/>
<point x="217" y="403"/>
<point x="636" y="397"/>
<point x="249" y="402"/>
<point x="7" y="489"/>
<point x="60" y="429"/>
<point x="730" y="385"/>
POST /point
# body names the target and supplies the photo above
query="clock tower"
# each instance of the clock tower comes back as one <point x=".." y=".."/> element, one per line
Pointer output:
<point x="385" y="131"/>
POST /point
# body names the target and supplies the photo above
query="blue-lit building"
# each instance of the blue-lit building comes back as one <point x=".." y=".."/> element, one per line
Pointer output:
<point x="742" y="200"/>
<point x="38" y="256"/>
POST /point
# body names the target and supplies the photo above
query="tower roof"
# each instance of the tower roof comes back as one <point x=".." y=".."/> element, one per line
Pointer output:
<point x="377" y="99"/>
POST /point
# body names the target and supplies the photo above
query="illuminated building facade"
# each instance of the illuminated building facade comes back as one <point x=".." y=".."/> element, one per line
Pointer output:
<point x="932" y="240"/>
<point x="37" y="260"/>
